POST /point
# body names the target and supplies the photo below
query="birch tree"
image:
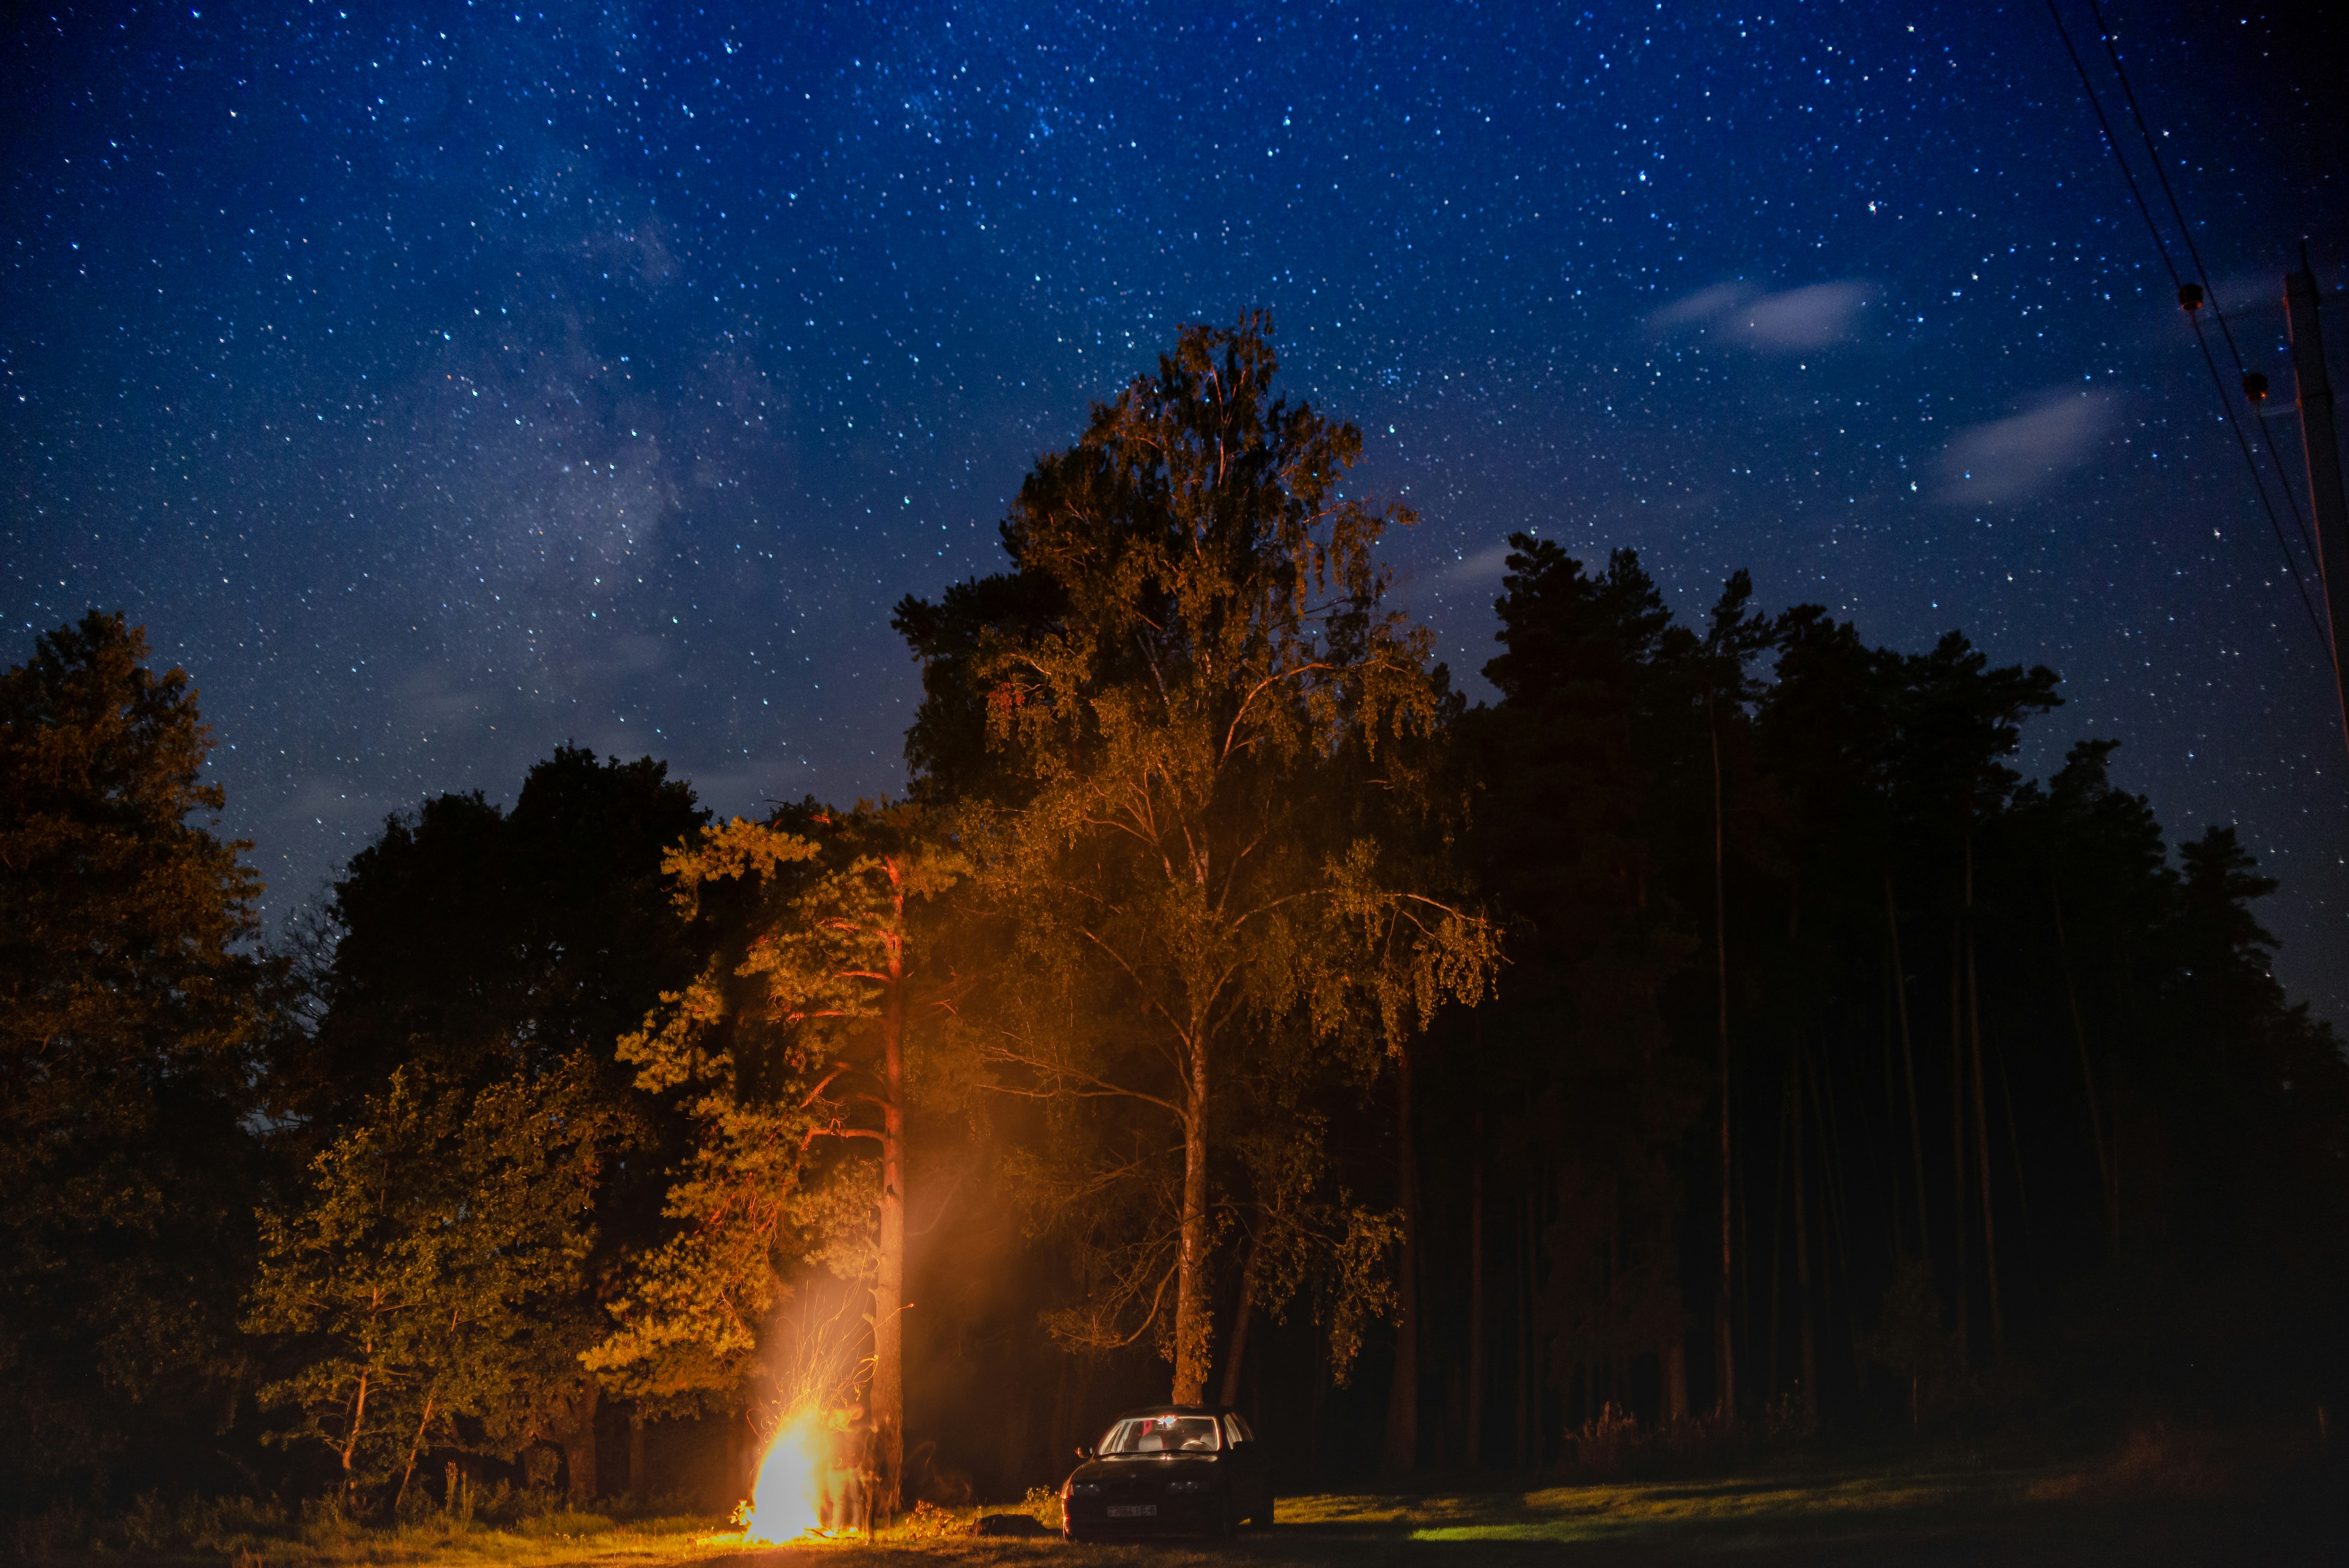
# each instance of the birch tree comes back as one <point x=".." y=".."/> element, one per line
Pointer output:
<point x="1219" y="811"/>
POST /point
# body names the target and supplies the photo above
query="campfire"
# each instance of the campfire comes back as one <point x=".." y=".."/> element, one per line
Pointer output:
<point x="809" y="1479"/>
<point x="787" y="1497"/>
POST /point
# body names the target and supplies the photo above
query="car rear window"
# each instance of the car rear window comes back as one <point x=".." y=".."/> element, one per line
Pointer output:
<point x="1162" y="1435"/>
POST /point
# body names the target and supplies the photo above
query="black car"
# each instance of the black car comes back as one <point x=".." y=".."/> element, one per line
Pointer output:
<point x="1170" y="1468"/>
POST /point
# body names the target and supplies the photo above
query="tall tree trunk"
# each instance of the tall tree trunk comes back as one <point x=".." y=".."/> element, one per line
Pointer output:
<point x="1475" y="1447"/>
<point x="889" y="1390"/>
<point x="2014" y="1152"/>
<point x="1981" y="1139"/>
<point x="1958" y="1125"/>
<point x="1064" y="1421"/>
<point x="357" y="1425"/>
<point x="1237" y="1352"/>
<point x="1908" y="1062"/>
<point x="1835" y="1270"/>
<point x="1316" y="1406"/>
<point x="2087" y="1074"/>
<point x="1803" y="1255"/>
<point x="1402" y="1455"/>
<point x="415" y="1446"/>
<point x="1778" y="1238"/>
<point x="576" y="1437"/>
<point x="1194" y="1315"/>
<point x="1726" y="1352"/>
<point x="639" y="1482"/>
<point x="1528" y="1460"/>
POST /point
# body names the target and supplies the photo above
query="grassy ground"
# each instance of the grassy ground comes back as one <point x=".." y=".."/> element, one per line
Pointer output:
<point x="2157" y="1501"/>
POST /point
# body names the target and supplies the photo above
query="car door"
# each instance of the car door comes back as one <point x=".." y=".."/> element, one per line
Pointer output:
<point x="1253" y="1471"/>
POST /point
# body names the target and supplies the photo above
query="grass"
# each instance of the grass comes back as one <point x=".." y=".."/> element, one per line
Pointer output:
<point x="249" y="1534"/>
<point x="2162" y="1498"/>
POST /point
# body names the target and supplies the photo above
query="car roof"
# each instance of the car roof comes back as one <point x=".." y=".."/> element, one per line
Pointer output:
<point x="1172" y="1411"/>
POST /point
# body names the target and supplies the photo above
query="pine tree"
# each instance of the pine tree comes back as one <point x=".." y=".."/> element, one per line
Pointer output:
<point x="796" y="1036"/>
<point x="131" y="1010"/>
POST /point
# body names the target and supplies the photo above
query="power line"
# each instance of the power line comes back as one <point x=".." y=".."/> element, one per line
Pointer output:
<point x="2210" y="290"/>
<point x="2113" y="142"/>
<point x="2190" y="297"/>
<point x="2217" y="384"/>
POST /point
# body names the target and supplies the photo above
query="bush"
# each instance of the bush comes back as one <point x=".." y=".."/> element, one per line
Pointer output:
<point x="1613" y="1445"/>
<point x="2155" y="1461"/>
<point x="927" y="1521"/>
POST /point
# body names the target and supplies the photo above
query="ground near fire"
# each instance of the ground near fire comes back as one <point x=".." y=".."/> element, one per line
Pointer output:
<point x="1705" y="1100"/>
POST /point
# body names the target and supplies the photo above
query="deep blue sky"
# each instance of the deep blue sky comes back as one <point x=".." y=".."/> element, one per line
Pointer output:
<point x="438" y="383"/>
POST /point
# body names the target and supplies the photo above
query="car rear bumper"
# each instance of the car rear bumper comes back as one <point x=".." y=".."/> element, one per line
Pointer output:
<point x="1090" y="1517"/>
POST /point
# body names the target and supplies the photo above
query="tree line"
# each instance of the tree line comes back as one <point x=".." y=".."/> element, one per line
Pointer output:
<point x="1713" y="1036"/>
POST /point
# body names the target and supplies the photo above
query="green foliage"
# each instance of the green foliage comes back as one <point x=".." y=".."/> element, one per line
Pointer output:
<point x="433" y="1267"/>
<point x="130" y="1015"/>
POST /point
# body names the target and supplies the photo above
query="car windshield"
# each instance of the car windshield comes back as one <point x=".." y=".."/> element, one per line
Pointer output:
<point x="1162" y="1435"/>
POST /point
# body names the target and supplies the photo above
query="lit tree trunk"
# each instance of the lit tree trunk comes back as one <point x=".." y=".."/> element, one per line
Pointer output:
<point x="1193" y="1318"/>
<point x="576" y="1437"/>
<point x="1403" y="1396"/>
<point x="351" y="1438"/>
<point x="889" y="1286"/>
<point x="415" y="1446"/>
<point x="358" y="1408"/>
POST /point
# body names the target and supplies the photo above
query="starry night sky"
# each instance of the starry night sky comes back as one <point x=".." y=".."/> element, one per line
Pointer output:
<point x="439" y="383"/>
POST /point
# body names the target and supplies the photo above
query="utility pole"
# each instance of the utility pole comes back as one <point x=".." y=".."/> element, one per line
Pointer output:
<point x="2317" y="440"/>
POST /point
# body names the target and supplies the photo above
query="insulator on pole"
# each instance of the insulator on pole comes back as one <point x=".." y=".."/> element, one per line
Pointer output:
<point x="2327" y="506"/>
<point x="2190" y="297"/>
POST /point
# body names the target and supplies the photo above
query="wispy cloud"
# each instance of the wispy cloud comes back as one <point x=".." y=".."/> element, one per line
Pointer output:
<point x="1488" y="565"/>
<point x="1789" y="320"/>
<point x="1809" y="317"/>
<point x="2011" y="458"/>
<point x="1702" y="305"/>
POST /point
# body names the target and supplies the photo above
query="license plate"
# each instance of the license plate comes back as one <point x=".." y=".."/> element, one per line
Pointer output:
<point x="1133" y="1510"/>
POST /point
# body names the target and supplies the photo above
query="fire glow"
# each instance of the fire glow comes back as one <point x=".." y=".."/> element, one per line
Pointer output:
<point x="783" y="1501"/>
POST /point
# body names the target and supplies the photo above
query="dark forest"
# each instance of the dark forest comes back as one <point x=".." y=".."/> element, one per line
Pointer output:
<point x="1713" y="1043"/>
